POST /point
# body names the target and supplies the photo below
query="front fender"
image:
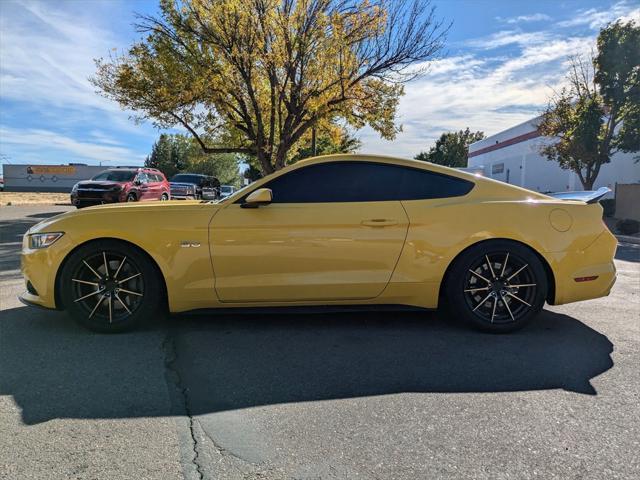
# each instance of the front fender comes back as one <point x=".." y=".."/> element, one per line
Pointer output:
<point x="162" y="233"/>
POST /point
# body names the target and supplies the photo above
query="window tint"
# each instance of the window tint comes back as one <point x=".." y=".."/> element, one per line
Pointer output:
<point x="363" y="182"/>
<point x="116" y="175"/>
<point x="187" y="178"/>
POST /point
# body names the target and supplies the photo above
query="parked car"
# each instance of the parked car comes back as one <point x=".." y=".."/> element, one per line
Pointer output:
<point x="194" y="186"/>
<point x="336" y="230"/>
<point x="121" y="185"/>
<point x="226" y="190"/>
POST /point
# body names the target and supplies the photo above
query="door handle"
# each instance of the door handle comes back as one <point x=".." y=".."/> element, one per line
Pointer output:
<point x="379" y="222"/>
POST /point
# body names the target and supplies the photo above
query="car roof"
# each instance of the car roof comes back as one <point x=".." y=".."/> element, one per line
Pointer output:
<point x="412" y="163"/>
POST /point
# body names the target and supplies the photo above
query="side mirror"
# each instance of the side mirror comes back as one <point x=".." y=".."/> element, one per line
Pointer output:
<point x="261" y="196"/>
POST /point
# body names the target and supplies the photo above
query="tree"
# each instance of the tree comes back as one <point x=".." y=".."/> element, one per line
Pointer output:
<point x="451" y="149"/>
<point x="175" y="153"/>
<point x="252" y="173"/>
<point x="223" y="166"/>
<point x="257" y="75"/>
<point x="169" y="154"/>
<point x="598" y="114"/>
<point x="327" y="143"/>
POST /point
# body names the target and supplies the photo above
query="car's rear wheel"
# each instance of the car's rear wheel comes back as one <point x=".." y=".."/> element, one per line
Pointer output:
<point x="164" y="197"/>
<point x="109" y="286"/>
<point x="497" y="286"/>
<point x="132" y="197"/>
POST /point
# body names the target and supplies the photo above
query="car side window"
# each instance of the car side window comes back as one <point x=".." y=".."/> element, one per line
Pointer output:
<point x="143" y="178"/>
<point x="363" y="182"/>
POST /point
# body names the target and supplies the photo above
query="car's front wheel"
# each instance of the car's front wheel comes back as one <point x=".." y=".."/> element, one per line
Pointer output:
<point x="108" y="286"/>
<point x="164" y="197"/>
<point x="131" y="197"/>
<point x="498" y="286"/>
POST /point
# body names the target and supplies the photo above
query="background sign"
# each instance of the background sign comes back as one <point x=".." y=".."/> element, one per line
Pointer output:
<point x="51" y="170"/>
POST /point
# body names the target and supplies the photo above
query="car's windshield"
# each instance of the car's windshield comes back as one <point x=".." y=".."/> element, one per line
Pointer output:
<point x="115" y="175"/>
<point x="185" y="178"/>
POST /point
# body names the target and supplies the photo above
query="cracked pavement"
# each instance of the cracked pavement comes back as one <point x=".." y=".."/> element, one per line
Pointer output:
<point x="324" y="396"/>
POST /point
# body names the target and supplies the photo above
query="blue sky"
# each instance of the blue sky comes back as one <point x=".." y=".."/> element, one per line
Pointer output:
<point x="503" y="60"/>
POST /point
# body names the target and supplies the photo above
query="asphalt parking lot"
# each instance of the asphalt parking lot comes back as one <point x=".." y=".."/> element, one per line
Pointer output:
<point x="340" y="396"/>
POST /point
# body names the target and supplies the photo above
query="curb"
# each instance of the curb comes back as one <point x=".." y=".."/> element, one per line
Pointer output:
<point x="628" y="239"/>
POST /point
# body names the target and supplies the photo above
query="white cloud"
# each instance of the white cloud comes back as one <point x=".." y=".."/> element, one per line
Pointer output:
<point x="535" y="17"/>
<point x="508" y="37"/>
<point x="491" y="93"/>
<point x="27" y="140"/>
<point x="482" y="93"/>
<point x="47" y="57"/>
<point x="596" y="18"/>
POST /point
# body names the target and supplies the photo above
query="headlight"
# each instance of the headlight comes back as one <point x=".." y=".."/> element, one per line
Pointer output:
<point x="75" y="188"/>
<point x="43" y="240"/>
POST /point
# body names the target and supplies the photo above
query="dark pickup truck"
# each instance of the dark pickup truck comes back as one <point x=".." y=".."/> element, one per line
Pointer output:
<point x="194" y="186"/>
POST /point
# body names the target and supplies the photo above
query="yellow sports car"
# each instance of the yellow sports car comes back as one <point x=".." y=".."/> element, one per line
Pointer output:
<point x="335" y="230"/>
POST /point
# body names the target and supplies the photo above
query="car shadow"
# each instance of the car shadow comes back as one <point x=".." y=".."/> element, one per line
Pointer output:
<point x="54" y="369"/>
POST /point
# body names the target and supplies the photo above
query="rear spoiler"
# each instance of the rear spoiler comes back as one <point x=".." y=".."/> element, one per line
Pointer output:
<point x="587" y="196"/>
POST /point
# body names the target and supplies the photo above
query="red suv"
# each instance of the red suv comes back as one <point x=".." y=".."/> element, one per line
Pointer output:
<point x="121" y="185"/>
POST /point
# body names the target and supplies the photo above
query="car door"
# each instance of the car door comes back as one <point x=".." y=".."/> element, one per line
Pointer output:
<point x="142" y="182"/>
<point x="154" y="186"/>
<point x="334" y="231"/>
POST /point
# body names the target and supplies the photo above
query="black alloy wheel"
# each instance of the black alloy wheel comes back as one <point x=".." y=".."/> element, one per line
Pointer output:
<point x="497" y="286"/>
<point x="108" y="286"/>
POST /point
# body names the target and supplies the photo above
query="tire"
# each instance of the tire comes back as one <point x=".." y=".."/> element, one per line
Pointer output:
<point x="164" y="197"/>
<point x="113" y="302"/>
<point x="132" y="197"/>
<point x="497" y="286"/>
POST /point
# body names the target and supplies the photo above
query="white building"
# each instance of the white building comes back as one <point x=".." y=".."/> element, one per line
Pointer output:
<point x="513" y="156"/>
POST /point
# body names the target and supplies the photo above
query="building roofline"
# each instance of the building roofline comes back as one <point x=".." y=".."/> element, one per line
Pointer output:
<point x="505" y="143"/>
<point x="531" y="120"/>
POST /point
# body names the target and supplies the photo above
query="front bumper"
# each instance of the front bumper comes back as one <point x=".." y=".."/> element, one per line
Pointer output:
<point x="31" y="300"/>
<point x="96" y="198"/>
<point x="39" y="268"/>
<point x="182" y="197"/>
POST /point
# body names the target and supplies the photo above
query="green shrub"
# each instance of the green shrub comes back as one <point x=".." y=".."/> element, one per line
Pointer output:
<point x="628" y="226"/>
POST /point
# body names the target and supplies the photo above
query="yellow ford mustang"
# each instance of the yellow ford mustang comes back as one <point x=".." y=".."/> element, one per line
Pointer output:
<point x="335" y="230"/>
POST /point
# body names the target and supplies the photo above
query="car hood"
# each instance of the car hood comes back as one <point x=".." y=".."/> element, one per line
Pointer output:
<point x="183" y="184"/>
<point x="112" y="213"/>
<point x="101" y="184"/>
